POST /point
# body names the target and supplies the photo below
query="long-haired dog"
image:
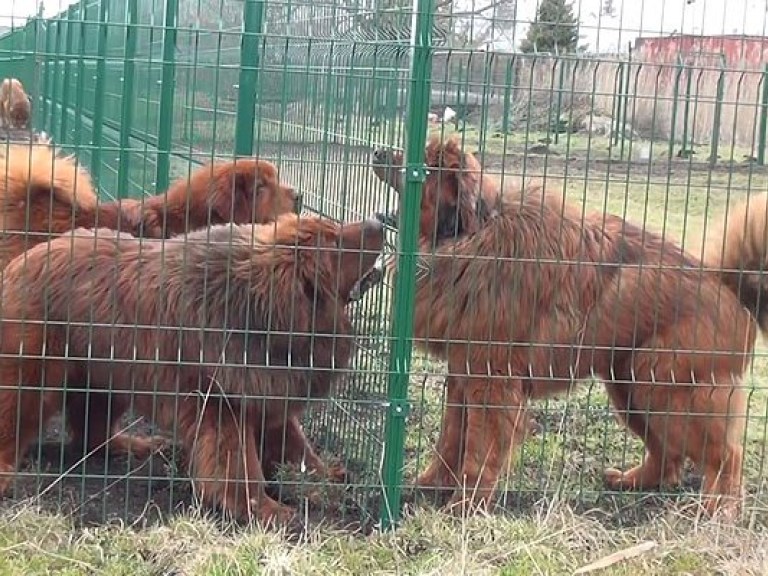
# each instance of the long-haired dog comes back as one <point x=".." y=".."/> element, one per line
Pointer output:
<point x="15" y="105"/>
<point x="223" y="335"/>
<point x="524" y="295"/>
<point x="44" y="194"/>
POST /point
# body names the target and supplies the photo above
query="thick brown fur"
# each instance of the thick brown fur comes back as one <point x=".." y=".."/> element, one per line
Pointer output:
<point x="738" y="251"/>
<point x="45" y="194"/>
<point x="182" y="330"/>
<point x="524" y="296"/>
<point x="15" y="105"/>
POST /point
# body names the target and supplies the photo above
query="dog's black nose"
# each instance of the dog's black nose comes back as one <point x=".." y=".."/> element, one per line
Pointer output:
<point x="380" y="155"/>
<point x="387" y="218"/>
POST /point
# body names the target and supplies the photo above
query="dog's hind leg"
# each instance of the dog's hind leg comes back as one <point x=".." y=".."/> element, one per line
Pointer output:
<point x="662" y="464"/>
<point x="443" y="469"/>
<point x="224" y="460"/>
<point x="25" y="407"/>
<point x="681" y="410"/>
<point x="496" y="424"/>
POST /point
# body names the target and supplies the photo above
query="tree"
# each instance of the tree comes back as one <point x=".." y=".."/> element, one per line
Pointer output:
<point x="555" y="29"/>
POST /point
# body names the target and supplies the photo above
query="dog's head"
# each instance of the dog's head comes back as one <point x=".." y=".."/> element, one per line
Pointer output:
<point x="322" y="260"/>
<point x="457" y="197"/>
<point x="243" y="191"/>
<point x="389" y="168"/>
<point x="248" y="190"/>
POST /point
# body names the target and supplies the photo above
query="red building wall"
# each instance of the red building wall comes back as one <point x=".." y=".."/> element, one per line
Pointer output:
<point x="739" y="51"/>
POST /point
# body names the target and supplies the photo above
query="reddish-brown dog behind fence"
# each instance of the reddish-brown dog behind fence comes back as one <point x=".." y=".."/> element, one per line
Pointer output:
<point x="183" y="329"/>
<point x="44" y="194"/>
<point x="15" y="105"/>
<point x="524" y="295"/>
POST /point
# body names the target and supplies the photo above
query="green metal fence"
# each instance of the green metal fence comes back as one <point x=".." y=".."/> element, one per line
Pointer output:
<point x="666" y="135"/>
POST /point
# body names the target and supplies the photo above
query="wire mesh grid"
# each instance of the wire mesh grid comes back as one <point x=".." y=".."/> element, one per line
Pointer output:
<point x="659" y="119"/>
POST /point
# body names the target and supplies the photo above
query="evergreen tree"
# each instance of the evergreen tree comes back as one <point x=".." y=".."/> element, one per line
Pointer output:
<point x="555" y="29"/>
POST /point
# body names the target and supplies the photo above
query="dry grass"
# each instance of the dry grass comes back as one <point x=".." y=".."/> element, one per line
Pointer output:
<point x="550" y="539"/>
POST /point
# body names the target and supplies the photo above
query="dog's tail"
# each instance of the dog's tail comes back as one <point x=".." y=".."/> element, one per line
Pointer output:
<point x="34" y="175"/>
<point x="740" y="255"/>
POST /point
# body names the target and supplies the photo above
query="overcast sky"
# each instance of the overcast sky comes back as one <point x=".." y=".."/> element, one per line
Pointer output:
<point x="632" y="17"/>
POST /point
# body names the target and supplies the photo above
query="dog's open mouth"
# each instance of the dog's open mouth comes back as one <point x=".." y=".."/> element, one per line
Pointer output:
<point x="376" y="274"/>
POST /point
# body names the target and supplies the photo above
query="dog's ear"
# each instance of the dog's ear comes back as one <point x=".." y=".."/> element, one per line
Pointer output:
<point x="453" y="191"/>
<point x="249" y="191"/>
<point x="234" y="192"/>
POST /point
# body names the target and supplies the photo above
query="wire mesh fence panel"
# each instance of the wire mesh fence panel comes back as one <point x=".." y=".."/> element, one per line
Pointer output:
<point x="644" y="139"/>
<point x="599" y="343"/>
<point x="145" y="95"/>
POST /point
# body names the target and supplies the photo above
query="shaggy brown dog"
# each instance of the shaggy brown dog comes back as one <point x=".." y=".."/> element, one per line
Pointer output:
<point x="45" y="194"/>
<point x="523" y="296"/>
<point x="208" y="334"/>
<point x="15" y="105"/>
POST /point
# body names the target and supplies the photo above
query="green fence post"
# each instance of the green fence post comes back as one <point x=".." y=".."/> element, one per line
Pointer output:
<point x="559" y="109"/>
<point x="763" y="120"/>
<point x="167" y="95"/>
<point x="675" y="96"/>
<point x="250" y="56"/>
<point x="32" y="37"/>
<point x="97" y="141"/>
<point x="509" y="82"/>
<point x="616" y="105"/>
<point x="55" y="81"/>
<point x="127" y="99"/>
<point x="66" y="108"/>
<point x="48" y="74"/>
<point x="404" y="290"/>
<point x="624" y="104"/>
<point x="687" y="111"/>
<point x="80" y="88"/>
<point x="720" y="95"/>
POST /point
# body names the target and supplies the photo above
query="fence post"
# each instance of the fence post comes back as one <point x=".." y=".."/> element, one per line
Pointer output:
<point x="624" y="103"/>
<point x="616" y="107"/>
<point x="33" y="51"/>
<point x="55" y="102"/>
<point x="47" y="74"/>
<point x="404" y="290"/>
<point x="250" y="56"/>
<point x="559" y="109"/>
<point x="97" y="141"/>
<point x="675" y="96"/>
<point x="127" y="100"/>
<point x="80" y="89"/>
<point x="718" y="114"/>
<point x="763" y="120"/>
<point x="687" y="111"/>
<point x="65" y="94"/>
<point x="508" y="95"/>
<point x="167" y="95"/>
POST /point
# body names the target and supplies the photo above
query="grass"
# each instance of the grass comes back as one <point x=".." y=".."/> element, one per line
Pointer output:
<point x="551" y="539"/>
